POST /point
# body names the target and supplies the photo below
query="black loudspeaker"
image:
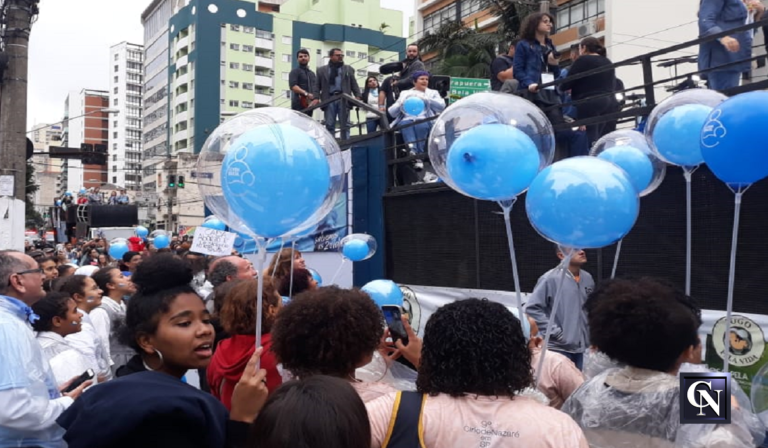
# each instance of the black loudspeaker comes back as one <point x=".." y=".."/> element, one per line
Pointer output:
<point x="113" y="215"/>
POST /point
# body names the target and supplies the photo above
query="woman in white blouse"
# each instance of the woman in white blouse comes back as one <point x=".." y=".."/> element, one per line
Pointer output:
<point x="416" y="135"/>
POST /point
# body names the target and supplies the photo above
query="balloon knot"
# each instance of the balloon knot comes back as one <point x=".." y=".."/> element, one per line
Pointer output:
<point x="469" y="157"/>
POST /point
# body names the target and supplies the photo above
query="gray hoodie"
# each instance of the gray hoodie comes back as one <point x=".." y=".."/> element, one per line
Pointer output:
<point x="569" y="325"/>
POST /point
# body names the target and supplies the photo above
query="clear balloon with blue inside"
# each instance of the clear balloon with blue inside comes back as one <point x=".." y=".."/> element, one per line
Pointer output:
<point x="358" y="246"/>
<point x="674" y="126"/>
<point x="212" y="222"/>
<point x="316" y="276"/>
<point x="117" y="248"/>
<point x="384" y="292"/>
<point x="268" y="171"/>
<point x="413" y="106"/>
<point x="491" y="145"/>
<point x="630" y="150"/>
<point x="141" y="231"/>
<point x="160" y="238"/>
<point x="582" y="202"/>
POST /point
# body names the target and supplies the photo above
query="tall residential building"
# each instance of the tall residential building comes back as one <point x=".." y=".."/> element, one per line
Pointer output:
<point x="125" y="90"/>
<point x="47" y="170"/>
<point x="86" y="120"/>
<point x="230" y="56"/>
<point x="155" y="102"/>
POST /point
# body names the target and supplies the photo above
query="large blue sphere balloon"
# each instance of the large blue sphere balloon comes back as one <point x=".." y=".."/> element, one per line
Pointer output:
<point x="733" y="139"/>
<point x="413" y="106"/>
<point x="117" y="251"/>
<point x="141" y="231"/>
<point x="634" y="162"/>
<point x="316" y="276"/>
<point x="582" y="202"/>
<point x="384" y="292"/>
<point x="274" y="178"/>
<point x="677" y="134"/>
<point x="162" y="241"/>
<point x="493" y="162"/>
<point x="215" y="224"/>
<point x="355" y="250"/>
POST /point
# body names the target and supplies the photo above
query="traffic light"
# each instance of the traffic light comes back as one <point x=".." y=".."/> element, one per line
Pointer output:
<point x="181" y="182"/>
<point x="171" y="181"/>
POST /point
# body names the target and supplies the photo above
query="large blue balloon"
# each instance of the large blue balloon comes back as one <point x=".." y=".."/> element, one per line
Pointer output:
<point x="413" y="106"/>
<point x="355" y="250"/>
<point x="316" y="276"/>
<point x="677" y="134"/>
<point x="582" y="202"/>
<point x="634" y="162"/>
<point x="384" y="292"/>
<point x="214" y="223"/>
<point x="162" y="241"/>
<point x="274" y="178"/>
<point x="733" y="139"/>
<point x="493" y="162"/>
<point x="117" y="250"/>
<point x="141" y="231"/>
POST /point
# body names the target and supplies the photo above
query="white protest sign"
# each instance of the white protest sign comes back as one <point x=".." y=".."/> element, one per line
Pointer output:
<point x="213" y="242"/>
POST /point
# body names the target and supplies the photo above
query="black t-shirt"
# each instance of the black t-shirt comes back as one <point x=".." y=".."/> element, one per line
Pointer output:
<point x="603" y="82"/>
<point x="499" y="65"/>
<point x="389" y="94"/>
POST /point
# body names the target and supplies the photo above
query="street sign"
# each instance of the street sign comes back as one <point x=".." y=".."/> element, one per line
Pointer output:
<point x="461" y="87"/>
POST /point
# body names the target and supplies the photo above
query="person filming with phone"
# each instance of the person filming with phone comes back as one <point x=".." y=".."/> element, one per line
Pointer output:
<point x="30" y="401"/>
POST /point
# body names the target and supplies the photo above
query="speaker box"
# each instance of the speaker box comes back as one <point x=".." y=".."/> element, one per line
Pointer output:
<point x="113" y="215"/>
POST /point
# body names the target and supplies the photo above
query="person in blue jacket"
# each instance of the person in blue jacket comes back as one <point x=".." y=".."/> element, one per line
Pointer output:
<point x="717" y="16"/>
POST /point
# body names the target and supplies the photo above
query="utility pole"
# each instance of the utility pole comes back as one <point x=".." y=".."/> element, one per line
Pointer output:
<point x="17" y="15"/>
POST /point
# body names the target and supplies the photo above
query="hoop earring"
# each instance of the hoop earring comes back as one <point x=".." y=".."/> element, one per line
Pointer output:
<point x="159" y="355"/>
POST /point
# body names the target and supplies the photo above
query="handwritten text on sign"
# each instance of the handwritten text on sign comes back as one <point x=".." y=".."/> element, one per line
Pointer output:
<point x="213" y="242"/>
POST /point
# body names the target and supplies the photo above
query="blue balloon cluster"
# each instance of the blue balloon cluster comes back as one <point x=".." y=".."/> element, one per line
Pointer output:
<point x="676" y="136"/>
<point x="732" y="139"/>
<point x="582" y="202"/>
<point x="384" y="292"/>
<point x="493" y="162"/>
<point x="275" y="177"/>
<point x="413" y="106"/>
<point x="355" y="250"/>
<point x="634" y="162"/>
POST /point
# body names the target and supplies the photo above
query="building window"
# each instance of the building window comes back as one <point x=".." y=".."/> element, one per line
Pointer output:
<point x="248" y="67"/>
<point x="234" y="103"/>
<point x="235" y="47"/>
<point x="286" y="58"/>
<point x="117" y="56"/>
<point x="114" y="157"/>
<point x="247" y="105"/>
<point x="470" y="7"/>
<point x="222" y="102"/>
<point x="350" y="53"/>
<point x="436" y="19"/>
<point x="577" y="13"/>
<point x="114" y="146"/>
<point x="287" y="40"/>
<point x="261" y="34"/>
<point x="117" y="67"/>
<point x="114" y="179"/>
<point x="234" y="27"/>
<point x="115" y="90"/>
<point x="247" y="86"/>
<point x="234" y="65"/>
<point x="114" y="168"/>
<point x="114" y="103"/>
<point x="234" y="84"/>
<point x="248" y="48"/>
<point x="285" y="76"/>
<point x="223" y="63"/>
<point x="319" y="51"/>
<point x="362" y="72"/>
<point x="116" y="78"/>
<point x="248" y="29"/>
<point x="361" y="55"/>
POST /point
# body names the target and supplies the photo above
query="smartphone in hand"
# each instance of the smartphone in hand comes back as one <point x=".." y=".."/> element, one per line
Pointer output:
<point x="393" y="317"/>
<point x="87" y="375"/>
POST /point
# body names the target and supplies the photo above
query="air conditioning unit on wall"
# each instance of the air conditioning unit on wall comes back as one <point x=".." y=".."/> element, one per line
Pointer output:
<point x="587" y="29"/>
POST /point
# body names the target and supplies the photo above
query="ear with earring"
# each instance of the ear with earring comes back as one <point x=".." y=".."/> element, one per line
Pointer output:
<point x="159" y="355"/>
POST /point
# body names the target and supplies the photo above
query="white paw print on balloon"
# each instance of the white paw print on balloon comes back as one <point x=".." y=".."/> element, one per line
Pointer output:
<point x="239" y="176"/>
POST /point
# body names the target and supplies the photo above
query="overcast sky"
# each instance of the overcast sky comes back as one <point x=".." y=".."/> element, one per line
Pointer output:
<point x="69" y="48"/>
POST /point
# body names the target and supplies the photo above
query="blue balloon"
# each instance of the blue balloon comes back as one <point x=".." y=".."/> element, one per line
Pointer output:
<point x="355" y="250"/>
<point x="582" y="202"/>
<point x="286" y="300"/>
<point x="384" y="292"/>
<point x="732" y="140"/>
<point x="316" y="276"/>
<point x="141" y="231"/>
<point x="494" y="162"/>
<point x="117" y="250"/>
<point x="83" y="191"/>
<point x="677" y="135"/>
<point x="58" y="202"/>
<point x="275" y="177"/>
<point x="413" y="106"/>
<point x="215" y="224"/>
<point x="634" y="162"/>
<point x="162" y="241"/>
<point x="69" y="193"/>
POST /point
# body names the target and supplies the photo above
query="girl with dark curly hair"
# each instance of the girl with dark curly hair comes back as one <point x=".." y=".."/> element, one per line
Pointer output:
<point x="330" y="331"/>
<point x="168" y="325"/>
<point x="475" y="363"/>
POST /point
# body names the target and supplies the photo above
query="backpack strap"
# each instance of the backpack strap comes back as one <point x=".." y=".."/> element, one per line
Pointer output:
<point x="406" y="429"/>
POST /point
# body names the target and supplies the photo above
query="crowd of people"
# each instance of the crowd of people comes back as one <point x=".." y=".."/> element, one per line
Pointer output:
<point x="141" y="325"/>
<point x="94" y="196"/>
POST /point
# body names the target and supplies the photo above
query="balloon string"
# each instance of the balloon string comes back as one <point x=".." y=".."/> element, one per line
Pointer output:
<point x="293" y="257"/>
<point x="260" y="292"/>
<point x="507" y="207"/>
<point x="277" y="261"/>
<point x="564" y="266"/>
<point x="687" y="172"/>
<point x="616" y="259"/>
<point x="333" y="280"/>
<point x="731" y="281"/>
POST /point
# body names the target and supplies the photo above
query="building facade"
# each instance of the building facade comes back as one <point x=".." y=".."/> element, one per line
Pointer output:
<point x="47" y="170"/>
<point x="125" y="96"/>
<point x="86" y="120"/>
<point x="229" y="56"/>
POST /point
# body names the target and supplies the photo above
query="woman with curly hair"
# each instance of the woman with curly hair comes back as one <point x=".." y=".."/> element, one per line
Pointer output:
<point x="169" y="327"/>
<point x="280" y="266"/>
<point x="651" y="328"/>
<point x="474" y="364"/>
<point x="238" y="317"/>
<point x="330" y="331"/>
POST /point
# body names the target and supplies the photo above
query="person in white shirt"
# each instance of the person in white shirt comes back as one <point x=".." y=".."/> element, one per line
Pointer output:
<point x="58" y="318"/>
<point x="30" y="402"/>
<point x="416" y="135"/>
<point x="87" y="295"/>
<point x="111" y="313"/>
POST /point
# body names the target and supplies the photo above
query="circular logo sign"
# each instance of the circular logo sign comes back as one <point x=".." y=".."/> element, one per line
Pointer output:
<point x="746" y="341"/>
